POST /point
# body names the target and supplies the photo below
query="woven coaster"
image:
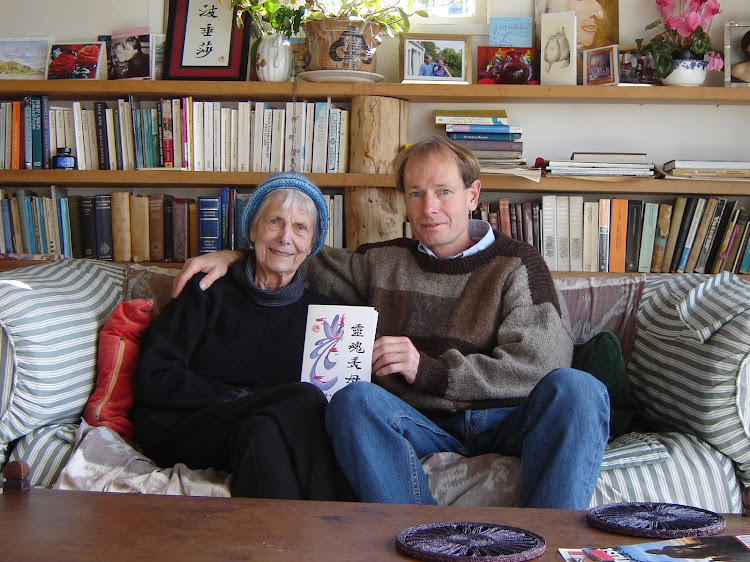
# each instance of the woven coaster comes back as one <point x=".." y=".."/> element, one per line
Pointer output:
<point x="469" y="541"/>
<point x="656" y="520"/>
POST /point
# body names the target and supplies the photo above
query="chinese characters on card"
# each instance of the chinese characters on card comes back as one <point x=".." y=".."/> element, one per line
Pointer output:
<point x="338" y="345"/>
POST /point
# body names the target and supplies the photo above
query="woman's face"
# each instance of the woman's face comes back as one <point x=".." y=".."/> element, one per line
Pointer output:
<point x="587" y="12"/>
<point x="283" y="238"/>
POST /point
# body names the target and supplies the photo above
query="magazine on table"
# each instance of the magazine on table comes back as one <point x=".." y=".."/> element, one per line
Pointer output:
<point x="716" y="548"/>
<point x="338" y="345"/>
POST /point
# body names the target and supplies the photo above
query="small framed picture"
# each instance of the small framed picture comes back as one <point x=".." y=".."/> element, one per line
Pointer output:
<point x="24" y="58"/>
<point x="435" y="58"/>
<point x="507" y="65"/>
<point x="636" y="69"/>
<point x="77" y="61"/>
<point x="203" y="42"/>
<point x="130" y="54"/>
<point x="558" y="49"/>
<point x="737" y="54"/>
<point x="601" y="66"/>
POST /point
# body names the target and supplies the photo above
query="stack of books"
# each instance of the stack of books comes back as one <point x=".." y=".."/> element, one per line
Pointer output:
<point x="601" y="164"/>
<point x="487" y="133"/>
<point x="707" y="168"/>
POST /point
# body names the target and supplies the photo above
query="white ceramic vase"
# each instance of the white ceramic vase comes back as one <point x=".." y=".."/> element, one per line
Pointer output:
<point x="273" y="59"/>
<point x="687" y="72"/>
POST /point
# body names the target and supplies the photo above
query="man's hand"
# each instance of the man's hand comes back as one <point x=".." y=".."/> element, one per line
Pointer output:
<point x="213" y="264"/>
<point x="395" y="355"/>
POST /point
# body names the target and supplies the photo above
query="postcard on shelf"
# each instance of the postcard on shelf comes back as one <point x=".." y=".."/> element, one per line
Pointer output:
<point x="558" y="49"/>
<point x="727" y="548"/>
<point x="130" y="54"/>
<point x="512" y="32"/>
<point x="507" y="65"/>
<point x="77" y="61"/>
<point x="338" y="345"/>
<point x="24" y="58"/>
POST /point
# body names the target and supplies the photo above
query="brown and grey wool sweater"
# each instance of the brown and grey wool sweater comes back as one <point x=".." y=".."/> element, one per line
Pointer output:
<point x="488" y="326"/>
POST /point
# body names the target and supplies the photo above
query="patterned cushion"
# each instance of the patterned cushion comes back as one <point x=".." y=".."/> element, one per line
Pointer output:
<point x="596" y="304"/>
<point x="50" y="317"/>
<point x="150" y="282"/>
<point x="689" y="367"/>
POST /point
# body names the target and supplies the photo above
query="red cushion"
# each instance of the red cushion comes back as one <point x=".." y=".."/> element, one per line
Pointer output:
<point x="119" y="343"/>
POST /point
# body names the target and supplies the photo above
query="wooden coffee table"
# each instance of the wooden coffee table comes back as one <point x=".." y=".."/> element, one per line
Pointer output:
<point x="67" y="525"/>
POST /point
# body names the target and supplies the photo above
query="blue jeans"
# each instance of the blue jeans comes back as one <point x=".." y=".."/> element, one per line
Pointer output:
<point x="559" y="431"/>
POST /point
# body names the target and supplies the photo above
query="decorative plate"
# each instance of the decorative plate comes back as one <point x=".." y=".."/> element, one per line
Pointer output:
<point x="340" y="76"/>
<point x="656" y="520"/>
<point x="469" y="541"/>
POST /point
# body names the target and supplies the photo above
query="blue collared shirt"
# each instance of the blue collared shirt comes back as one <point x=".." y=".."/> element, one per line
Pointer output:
<point x="479" y="231"/>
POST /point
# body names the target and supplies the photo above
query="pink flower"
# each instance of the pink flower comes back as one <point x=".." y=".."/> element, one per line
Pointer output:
<point x="710" y="9"/>
<point x="673" y="21"/>
<point x="715" y="62"/>
<point x="690" y="23"/>
<point x="665" y="7"/>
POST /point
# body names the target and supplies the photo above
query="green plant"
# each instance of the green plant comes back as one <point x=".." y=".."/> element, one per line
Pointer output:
<point x="287" y="16"/>
<point x="684" y="27"/>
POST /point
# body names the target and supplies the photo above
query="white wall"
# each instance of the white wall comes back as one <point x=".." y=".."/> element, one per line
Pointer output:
<point x="550" y="130"/>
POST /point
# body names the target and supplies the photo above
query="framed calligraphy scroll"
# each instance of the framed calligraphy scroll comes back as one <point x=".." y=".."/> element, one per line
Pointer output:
<point x="203" y="42"/>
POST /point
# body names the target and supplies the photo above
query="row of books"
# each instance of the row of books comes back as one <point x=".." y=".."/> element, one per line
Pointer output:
<point x="181" y="133"/>
<point x="601" y="164"/>
<point x="690" y="235"/>
<point x="708" y="168"/>
<point x="487" y="133"/>
<point x="124" y="227"/>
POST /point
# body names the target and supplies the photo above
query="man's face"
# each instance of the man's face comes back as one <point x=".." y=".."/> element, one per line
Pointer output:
<point x="438" y="204"/>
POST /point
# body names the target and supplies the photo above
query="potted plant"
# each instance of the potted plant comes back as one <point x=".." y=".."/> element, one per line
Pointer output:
<point x="341" y="34"/>
<point x="680" y="48"/>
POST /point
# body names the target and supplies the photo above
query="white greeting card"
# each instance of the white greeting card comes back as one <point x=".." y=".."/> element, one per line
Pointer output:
<point x="338" y="346"/>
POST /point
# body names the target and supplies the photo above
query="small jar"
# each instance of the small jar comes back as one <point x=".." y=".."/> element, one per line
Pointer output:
<point x="64" y="160"/>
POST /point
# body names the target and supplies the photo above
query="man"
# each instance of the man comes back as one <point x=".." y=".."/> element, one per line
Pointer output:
<point x="473" y="348"/>
<point x="427" y="66"/>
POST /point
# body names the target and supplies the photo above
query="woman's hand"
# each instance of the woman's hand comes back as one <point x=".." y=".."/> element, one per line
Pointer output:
<point x="213" y="264"/>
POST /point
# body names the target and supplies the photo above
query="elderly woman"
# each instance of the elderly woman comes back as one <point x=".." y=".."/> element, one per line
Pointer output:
<point x="218" y="378"/>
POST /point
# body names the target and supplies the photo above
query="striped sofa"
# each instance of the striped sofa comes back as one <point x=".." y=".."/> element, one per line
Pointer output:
<point x="684" y="337"/>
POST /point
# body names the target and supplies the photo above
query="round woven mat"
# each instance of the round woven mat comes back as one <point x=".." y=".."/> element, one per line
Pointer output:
<point x="656" y="520"/>
<point x="469" y="541"/>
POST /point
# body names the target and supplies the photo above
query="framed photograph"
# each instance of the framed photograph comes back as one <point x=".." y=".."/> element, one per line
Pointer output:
<point x="601" y="66"/>
<point x="558" y="52"/>
<point x="435" y="58"/>
<point x="203" y="42"/>
<point x="77" y="61"/>
<point x="737" y="54"/>
<point x="130" y="54"/>
<point x="507" y="65"/>
<point x="24" y="58"/>
<point x="636" y="69"/>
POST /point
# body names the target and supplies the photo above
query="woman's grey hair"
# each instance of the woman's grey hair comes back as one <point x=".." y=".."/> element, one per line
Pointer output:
<point x="292" y="199"/>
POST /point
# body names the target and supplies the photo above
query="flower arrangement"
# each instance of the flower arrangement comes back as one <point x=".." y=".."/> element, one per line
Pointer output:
<point x="684" y="26"/>
<point x="287" y="16"/>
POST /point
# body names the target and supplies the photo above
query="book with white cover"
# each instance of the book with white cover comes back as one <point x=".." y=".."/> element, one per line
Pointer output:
<point x="338" y="346"/>
<point x="109" y="116"/>
<point x="294" y="137"/>
<point x="244" y="114"/>
<point x="549" y="231"/>
<point x="320" y="137"/>
<point x="334" y="122"/>
<point x="198" y="143"/>
<point x="233" y="127"/>
<point x="650" y="213"/>
<point x="591" y="236"/>
<point x="80" y="148"/>
<point x="256" y="137"/>
<point x="217" y="135"/>
<point x="575" y="204"/>
<point x="562" y="225"/>
<point x="343" y="158"/>
<point x="266" y="139"/>
<point x="309" y="135"/>
<point x="225" y="140"/>
<point x="278" y="126"/>
<point x="208" y="137"/>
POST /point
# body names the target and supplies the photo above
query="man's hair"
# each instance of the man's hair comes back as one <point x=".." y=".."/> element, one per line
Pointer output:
<point x="745" y="43"/>
<point x="468" y="165"/>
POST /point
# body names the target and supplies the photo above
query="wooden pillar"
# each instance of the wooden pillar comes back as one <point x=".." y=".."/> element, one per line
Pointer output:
<point x="378" y="129"/>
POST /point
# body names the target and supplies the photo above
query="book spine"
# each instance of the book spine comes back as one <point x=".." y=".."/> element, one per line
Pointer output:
<point x="233" y="138"/>
<point x="320" y="138"/>
<point x="167" y="143"/>
<point x="590" y="236"/>
<point x="44" y="125"/>
<point x="549" y="231"/>
<point x="735" y="255"/>
<point x="102" y="140"/>
<point x="156" y="226"/>
<point x="139" y="228"/>
<point x="80" y="148"/>
<point x="89" y="138"/>
<point x="576" y="232"/>
<point x="180" y="227"/>
<point x="209" y="223"/>
<point x="244" y="115"/>
<point x="700" y="236"/>
<point x="66" y="236"/>
<point x="633" y="235"/>
<point x="334" y="120"/>
<point x="678" y="211"/>
<point x="224" y="138"/>
<point x="562" y="225"/>
<point x="691" y="233"/>
<point x="663" y="224"/>
<point x="28" y="132"/>
<point x="103" y="222"/>
<point x="267" y="134"/>
<point x="478" y="128"/>
<point x="168" y="242"/>
<point x="618" y="224"/>
<point x="309" y="137"/>
<point x="177" y="145"/>
<point x="121" y="240"/>
<point x="605" y="205"/>
<point x="277" y="140"/>
<point x="648" y="231"/>
<point x="687" y="219"/>
<point x="471" y="121"/>
<point x="159" y="131"/>
<point x="504" y="137"/>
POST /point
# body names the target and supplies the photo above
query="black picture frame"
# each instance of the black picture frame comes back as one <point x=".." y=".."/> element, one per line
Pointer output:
<point x="201" y="32"/>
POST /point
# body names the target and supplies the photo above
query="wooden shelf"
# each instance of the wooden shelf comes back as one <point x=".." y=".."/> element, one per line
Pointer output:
<point x="424" y="93"/>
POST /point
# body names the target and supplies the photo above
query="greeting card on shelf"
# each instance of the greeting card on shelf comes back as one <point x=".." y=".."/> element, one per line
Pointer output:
<point x="130" y="54"/>
<point x="558" y="49"/>
<point x="77" y="61"/>
<point x="338" y="346"/>
<point x="511" y="32"/>
<point x="24" y="58"/>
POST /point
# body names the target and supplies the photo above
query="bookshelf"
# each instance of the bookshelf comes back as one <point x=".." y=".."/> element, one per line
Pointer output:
<point x="154" y="179"/>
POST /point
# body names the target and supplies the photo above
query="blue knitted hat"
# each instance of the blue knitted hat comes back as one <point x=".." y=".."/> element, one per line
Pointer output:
<point x="288" y="180"/>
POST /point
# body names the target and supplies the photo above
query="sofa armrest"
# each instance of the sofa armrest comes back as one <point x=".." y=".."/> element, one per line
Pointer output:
<point x="16" y="475"/>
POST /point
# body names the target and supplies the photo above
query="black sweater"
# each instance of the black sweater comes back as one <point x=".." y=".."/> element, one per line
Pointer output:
<point x="207" y="347"/>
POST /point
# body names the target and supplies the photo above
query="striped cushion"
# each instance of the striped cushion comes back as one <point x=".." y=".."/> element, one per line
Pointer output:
<point x="693" y="473"/>
<point x="50" y="317"/>
<point x="689" y="367"/>
<point x="46" y="450"/>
